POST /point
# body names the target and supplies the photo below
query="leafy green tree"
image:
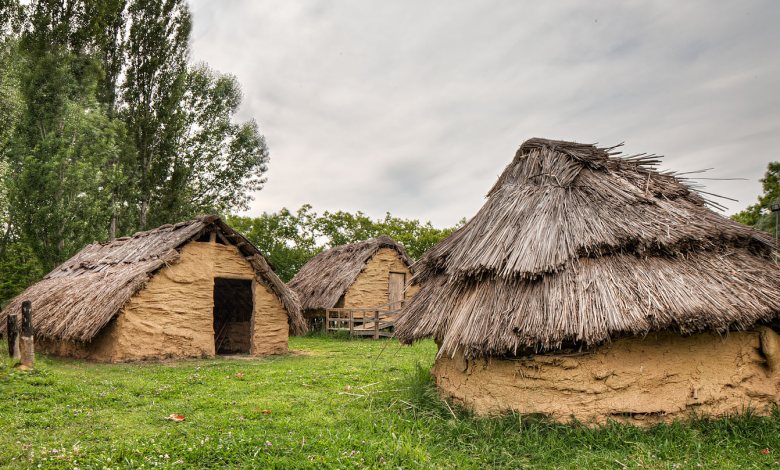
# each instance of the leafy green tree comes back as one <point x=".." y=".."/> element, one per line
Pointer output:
<point x="340" y="228"/>
<point x="105" y="128"/>
<point x="60" y="187"/>
<point x="11" y="103"/>
<point x="759" y="215"/>
<point x="287" y="239"/>
<point x="191" y="157"/>
<point x="57" y="174"/>
<point x="154" y="87"/>
<point x="290" y="239"/>
<point x="19" y="267"/>
<point x="218" y="162"/>
<point x="417" y="237"/>
<point x="105" y="26"/>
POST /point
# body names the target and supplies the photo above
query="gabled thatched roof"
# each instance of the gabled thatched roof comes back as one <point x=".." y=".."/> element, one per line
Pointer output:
<point x="325" y="278"/>
<point x="78" y="298"/>
<point x="576" y="245"/>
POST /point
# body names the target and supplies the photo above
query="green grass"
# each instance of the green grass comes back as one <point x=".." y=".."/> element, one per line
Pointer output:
<point x="333" y="403"/>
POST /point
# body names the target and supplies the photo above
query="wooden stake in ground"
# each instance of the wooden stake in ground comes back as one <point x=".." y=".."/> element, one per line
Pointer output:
<point x="12" y="327"/>
<point x="27" y="343"/>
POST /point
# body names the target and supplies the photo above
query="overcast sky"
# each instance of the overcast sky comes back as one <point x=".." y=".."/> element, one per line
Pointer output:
<point x="415" y="107"/>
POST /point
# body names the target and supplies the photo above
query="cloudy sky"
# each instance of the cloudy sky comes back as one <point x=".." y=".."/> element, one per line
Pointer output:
<point x="415" y="107"/>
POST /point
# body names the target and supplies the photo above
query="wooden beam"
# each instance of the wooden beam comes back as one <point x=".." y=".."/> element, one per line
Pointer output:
<point x="27" y="343"/>
<point x="12" y="327"/>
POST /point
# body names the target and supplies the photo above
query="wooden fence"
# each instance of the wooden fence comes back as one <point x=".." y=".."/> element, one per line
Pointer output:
<point x="374" y="322"/>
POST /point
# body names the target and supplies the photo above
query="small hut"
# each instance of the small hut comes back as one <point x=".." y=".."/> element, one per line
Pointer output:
<point x="362" y="275"/>
<point x="193" y="289"/>
<point x="591" y="285"/>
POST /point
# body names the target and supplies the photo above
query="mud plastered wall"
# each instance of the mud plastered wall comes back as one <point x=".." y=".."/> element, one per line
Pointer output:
<point x="270" y="330"/>
<point x="371" y="287"/>
<point x="173" y="315"/>
<point x="640" y="380"/>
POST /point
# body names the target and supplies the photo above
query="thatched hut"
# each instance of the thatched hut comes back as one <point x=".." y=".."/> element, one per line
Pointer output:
<point x="591" y="285"/>
<point x="187" y="290"/>
<point x="368" y="274"/>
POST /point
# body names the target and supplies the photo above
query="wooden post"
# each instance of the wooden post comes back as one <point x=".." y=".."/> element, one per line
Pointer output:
<point x="351" y="321"/>
<point x="376" y="324"/>
<point x="27" y="343"/>
<point x="12" y="327"/>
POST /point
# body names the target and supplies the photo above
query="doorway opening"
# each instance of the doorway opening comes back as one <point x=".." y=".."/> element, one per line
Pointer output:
<point x="233" y="307"/>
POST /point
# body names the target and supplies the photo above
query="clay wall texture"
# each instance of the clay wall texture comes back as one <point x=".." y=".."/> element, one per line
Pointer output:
<point x="371" y="287"/>
<point x="270" y="329"/>
<point x="173" y="315"/>
<point x="640" y="380"/>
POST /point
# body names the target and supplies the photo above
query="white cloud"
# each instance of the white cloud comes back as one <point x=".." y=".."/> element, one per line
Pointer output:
<point x="415" y="108"/>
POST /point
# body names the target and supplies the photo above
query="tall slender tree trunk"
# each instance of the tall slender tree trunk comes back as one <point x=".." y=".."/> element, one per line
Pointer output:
<point x="142" y="214"/>
<point x="112" y="226"/>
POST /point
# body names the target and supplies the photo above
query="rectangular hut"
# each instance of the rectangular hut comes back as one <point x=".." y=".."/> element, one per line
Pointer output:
<point x="194" y="289"/>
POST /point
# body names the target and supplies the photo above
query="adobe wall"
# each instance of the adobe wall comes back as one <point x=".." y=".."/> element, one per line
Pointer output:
<point x="640" y="380"/>
<point x="270" y="330"/>
<point x="371" y="287"/>
<point x="173" y="315"/>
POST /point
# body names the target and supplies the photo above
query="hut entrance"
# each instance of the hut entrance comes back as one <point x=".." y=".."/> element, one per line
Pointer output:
<point x="232" y="315"/>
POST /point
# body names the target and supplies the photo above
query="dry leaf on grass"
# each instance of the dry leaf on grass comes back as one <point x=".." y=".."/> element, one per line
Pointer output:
<point x="175" y="418"/>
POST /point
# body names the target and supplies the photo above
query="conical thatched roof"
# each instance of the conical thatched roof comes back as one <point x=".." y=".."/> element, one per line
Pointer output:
<point x="576" y="245"/>
<point x="325" y="278"/>
<point x="78" y="298"/>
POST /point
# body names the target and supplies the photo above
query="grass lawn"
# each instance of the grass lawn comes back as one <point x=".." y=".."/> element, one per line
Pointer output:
<point x="330" y="403"/>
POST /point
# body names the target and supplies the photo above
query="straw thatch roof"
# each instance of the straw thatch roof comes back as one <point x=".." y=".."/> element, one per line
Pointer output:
<point x="325" y="278"/>
<point x="78" y="298"/>
<point x="576" y="245"/>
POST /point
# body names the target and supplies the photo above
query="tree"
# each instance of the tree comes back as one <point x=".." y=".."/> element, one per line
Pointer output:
<point x="191" y="157"/>
<point x="417" y="237"/>
<point x="218" y="161"/>
<point x="61" y="186"/>
<point x="58" y="173"/>
<point x="10" y="96"/>
<point x="289" y="240"/>
<point x="759" y="215"/>
<point x="19" y="267"/>
<point x="105" y="128"/>
<point x="154" y="87"/>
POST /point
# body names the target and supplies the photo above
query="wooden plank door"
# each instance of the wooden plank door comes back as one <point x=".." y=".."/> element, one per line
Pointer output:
<point x="396" y="290"/>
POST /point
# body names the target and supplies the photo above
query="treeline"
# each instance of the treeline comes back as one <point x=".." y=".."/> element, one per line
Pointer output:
<point x="290" y="239"/>
<point x="106" y="128"/>
<point x="759" y="215"/>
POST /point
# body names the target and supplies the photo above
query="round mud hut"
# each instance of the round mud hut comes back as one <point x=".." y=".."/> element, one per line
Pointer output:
<point x="364" y="275"/>
<point x="194" y="289"/>
<point x="592" y="286"/>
